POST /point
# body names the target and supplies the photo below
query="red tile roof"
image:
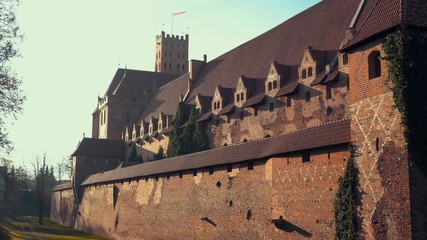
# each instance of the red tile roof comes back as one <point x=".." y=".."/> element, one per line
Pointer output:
<point x="100" y="147"/>
<point x="287" y="89"/>
<point x="254" y="100"/>
<point x="165" y="100"/>
<point x="380" y="16"/>
<point x="334" y="133"/>
<point x="226" y="110"/>
<point x="205" y="117"/>
<point x="133" y="83"/>
<point x="64" y="186"/>
<point x="322" y="27"/>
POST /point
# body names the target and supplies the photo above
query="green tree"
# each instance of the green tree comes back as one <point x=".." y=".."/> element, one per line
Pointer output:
<point x="133" y="156"/>
<point x="11" y="96"/>
<point x="160" y="154"/>
<point x="191" y="138"/>
<point x="176" y="144"/>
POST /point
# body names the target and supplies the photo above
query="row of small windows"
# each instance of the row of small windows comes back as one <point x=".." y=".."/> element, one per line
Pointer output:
<point x="217" y="105"/>
<point x="183" y="46"/>
<point x="306" y="72"/>
<point x="239" y="97"/>
<point x="272" y="85"/>
<point x="178" y="66"/>
<point x="170" y="55"/>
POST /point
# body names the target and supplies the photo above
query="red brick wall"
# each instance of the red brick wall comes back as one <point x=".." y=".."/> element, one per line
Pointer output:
<point x="63" y="207"/>
<point x="381" y="158"/>
<point x="361" y="86"/>
<point x="238" y="204"/>
<point x="282" y="119"/>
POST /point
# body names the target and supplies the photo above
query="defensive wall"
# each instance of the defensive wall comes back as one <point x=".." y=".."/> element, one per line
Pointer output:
<point x="269" y="188"/>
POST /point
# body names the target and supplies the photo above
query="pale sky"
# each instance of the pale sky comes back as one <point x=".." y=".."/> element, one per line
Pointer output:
<point x="72" y="49"/>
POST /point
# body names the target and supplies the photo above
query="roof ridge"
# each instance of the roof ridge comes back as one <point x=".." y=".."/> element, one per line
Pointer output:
<point x="366" y="19"/>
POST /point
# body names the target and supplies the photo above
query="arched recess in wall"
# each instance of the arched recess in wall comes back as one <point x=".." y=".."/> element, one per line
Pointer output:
<point x="374" y="64"/>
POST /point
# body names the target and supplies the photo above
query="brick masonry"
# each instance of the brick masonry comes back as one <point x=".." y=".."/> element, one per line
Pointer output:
<point x="281" y="198"/>
<point x="381" y="158"/>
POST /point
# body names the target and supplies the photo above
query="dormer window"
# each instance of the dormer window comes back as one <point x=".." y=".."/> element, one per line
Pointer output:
<point x="304" y="74"/>
<point x="270" y="86"/>
<point x="374" y="64"/>
<point x="216" y="105"/>
<point x="238" y="97"/>
<point x="274" y="84"/>
<point x="242" y="97"/>
<point x="310" y="71"/>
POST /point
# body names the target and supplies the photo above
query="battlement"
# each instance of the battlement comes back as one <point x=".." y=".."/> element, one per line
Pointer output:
<point x="171" y="37"/>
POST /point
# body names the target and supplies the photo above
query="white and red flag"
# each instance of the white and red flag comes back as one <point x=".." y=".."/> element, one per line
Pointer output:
<point x="178" y="13"/>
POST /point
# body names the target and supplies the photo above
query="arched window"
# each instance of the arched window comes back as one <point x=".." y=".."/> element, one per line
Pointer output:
<point x="270" y="86"/>
<point x="241" y="96"/>
<point x="307" y="96"/>
<point x="310" y="72"/>
<point x="374" y="64"/>
<point x="271" y="107"/>
<point x="304" y="74"/>
<point x="214" y="105"/>
<point x="274" y="84"/>
<point x="344" y="59"/>
<point x="238" y="97"/>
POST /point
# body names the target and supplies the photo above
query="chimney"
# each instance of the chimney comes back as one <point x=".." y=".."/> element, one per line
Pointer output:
<point x="194" y="68"/>
<point x="205" y="58"/>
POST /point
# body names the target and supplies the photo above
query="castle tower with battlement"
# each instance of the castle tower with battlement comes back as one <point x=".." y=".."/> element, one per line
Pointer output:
<point x="171" y="53"/>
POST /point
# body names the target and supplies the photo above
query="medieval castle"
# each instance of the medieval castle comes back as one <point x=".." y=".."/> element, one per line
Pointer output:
<point x="284" y="113"/>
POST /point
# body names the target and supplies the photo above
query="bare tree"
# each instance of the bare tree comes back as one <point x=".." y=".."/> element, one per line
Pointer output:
<point x="67" y="166"/>
<point x="40" y="171"/>
<point x="11" y="96"/>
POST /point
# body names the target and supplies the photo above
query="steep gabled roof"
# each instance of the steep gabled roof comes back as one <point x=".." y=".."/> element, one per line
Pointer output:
<point x="100" y="147"/>
<point x="330" y="134"/>
<point x="133" y="83"/>
<point x="379" y="16"/>
<point x="322" y="27"/>
<point x="165" y="100"/>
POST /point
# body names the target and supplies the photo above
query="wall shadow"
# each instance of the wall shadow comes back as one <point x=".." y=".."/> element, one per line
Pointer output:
<point x="289" y="227"/>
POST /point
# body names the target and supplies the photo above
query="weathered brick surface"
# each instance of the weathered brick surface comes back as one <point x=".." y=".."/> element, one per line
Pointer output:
<point x="240" y="204"/>
<point x="381" y="159"/>
<point x="63" y="207"/>
<point x="282" y="119"/>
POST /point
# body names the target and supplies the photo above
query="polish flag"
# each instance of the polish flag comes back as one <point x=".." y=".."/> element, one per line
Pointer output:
<point x="178" y="13"/>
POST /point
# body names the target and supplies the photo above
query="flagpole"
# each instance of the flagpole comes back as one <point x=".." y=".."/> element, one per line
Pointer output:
<point x="172" y="25"/>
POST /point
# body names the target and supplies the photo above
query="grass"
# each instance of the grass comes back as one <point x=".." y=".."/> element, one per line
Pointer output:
<point x="28" y="228"/>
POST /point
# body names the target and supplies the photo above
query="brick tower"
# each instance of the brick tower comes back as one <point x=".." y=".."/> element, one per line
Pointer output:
<point x="171" y="53"/>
